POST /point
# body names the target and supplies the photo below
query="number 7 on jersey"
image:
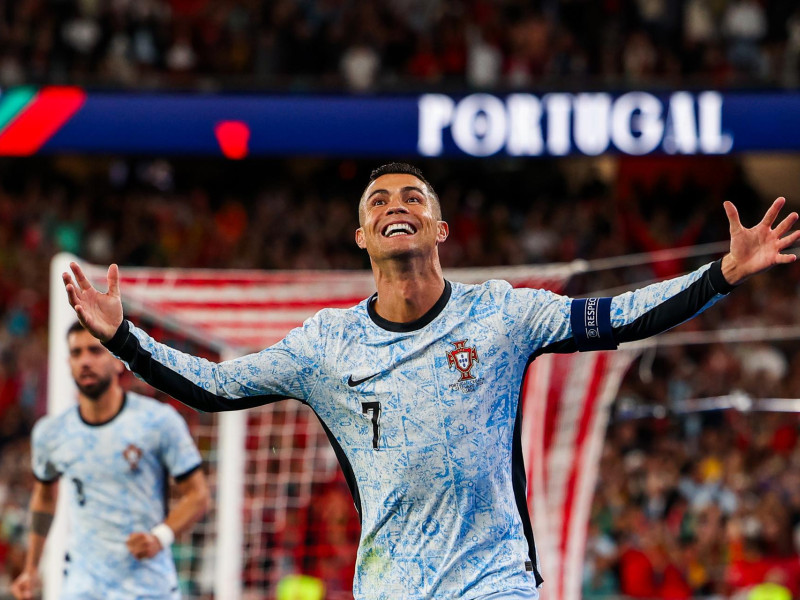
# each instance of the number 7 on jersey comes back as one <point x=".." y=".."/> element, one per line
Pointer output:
<point x="375" y="409"/>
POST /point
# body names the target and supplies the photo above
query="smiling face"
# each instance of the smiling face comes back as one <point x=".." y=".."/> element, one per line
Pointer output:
<point x="93" y="367"/>
<point x="399" y="217"/>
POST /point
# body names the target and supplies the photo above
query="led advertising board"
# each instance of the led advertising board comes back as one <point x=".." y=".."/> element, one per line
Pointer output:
<point x="72" y="120"/>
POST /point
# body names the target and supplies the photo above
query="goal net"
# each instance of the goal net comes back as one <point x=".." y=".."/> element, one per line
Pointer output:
<point x="265" y="465"/>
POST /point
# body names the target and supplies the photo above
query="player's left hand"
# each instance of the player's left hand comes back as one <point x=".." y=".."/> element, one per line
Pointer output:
<point x="143" y="545"/>
<point x="758" y="248"/>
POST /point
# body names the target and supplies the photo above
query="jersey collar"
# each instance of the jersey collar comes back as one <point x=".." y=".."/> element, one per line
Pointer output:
<point x="111" y="418"/>
<point x="411" y="325"/>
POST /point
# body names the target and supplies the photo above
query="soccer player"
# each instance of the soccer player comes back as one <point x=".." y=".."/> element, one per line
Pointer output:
<point x="113" y="454"/>
<point x="418" y="387"/>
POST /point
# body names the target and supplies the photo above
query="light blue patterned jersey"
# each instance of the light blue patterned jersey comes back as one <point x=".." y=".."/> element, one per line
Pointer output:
<point x="116" y="475"/>
<point x="424" y="417"/>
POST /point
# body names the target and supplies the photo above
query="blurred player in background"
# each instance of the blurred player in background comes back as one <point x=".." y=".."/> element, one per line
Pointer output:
<point x="418" y="387"/>
<point x="113" y="454"/>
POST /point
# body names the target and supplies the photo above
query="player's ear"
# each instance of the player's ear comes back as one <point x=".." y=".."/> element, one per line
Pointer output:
<point x="360" y="242"/>
<point x="442" y="231"/>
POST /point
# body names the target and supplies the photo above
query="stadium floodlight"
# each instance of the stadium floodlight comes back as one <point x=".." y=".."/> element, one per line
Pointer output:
<point x="230" y="312"/>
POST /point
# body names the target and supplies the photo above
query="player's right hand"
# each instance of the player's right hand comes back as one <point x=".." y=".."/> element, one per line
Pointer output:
<point x="26" y="585"/>
<point x="143" y="545"/>
<point x="100" y="313"/>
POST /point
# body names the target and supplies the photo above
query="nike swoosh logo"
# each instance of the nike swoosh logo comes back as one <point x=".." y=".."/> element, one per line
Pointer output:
<point x="354" y="382"/>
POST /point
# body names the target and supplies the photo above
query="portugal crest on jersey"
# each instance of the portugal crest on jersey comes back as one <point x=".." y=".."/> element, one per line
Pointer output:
<point x="132" y="454"/>
<point x="463" y="359"/>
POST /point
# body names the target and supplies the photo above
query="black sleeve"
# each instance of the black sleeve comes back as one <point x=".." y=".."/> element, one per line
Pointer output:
<point x="127" y="348"/>
<point x="681" y="307"/>
<point x="590" y="318"/>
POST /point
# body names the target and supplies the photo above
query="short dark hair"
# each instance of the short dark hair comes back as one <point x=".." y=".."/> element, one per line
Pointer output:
<point x="75" y="328"/>
<point x="402" y="168"/>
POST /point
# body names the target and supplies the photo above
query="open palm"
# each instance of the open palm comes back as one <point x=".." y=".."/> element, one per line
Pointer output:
<point x="100" y="313"/>
<point x="758" y="248"/>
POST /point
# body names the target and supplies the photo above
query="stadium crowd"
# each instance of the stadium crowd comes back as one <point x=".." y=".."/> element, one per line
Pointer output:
<point x="701" y="504"/>
<point x="696" y="504"/>
<point x="397" y="44"/>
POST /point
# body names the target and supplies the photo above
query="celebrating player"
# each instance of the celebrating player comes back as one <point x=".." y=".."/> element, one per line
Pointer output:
<point x="112" y="454"/>
<point x="418" y="387"/>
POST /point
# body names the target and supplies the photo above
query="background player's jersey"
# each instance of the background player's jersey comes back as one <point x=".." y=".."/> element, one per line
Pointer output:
<point x="424" y="417"/>
<point x="116" y="475"/>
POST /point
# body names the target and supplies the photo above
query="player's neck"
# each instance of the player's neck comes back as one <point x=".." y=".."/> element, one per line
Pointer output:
<point x="407" y="290"/>
<point x="103" y="409"/>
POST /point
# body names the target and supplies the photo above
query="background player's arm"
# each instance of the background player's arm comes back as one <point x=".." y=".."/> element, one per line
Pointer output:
<point x="42" y="508"/>
<point x="193" y="501"/>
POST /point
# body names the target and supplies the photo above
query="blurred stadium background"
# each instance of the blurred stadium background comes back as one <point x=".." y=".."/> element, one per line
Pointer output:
<point x="224" y="134"/>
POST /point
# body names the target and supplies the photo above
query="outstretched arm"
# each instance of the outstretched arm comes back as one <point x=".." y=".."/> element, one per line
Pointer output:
<point x="286" y="370"/>
<point x="603" y="323"/>
<point x="758" y="248"/>
<point x="752" y="251"/>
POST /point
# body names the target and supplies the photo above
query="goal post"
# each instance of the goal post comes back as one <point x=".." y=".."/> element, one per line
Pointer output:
<point x="230" y="506"/>
<point x="61" y="394"/>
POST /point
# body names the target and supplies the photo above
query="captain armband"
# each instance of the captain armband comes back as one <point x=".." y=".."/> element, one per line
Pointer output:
<point x="591" y="324"/>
